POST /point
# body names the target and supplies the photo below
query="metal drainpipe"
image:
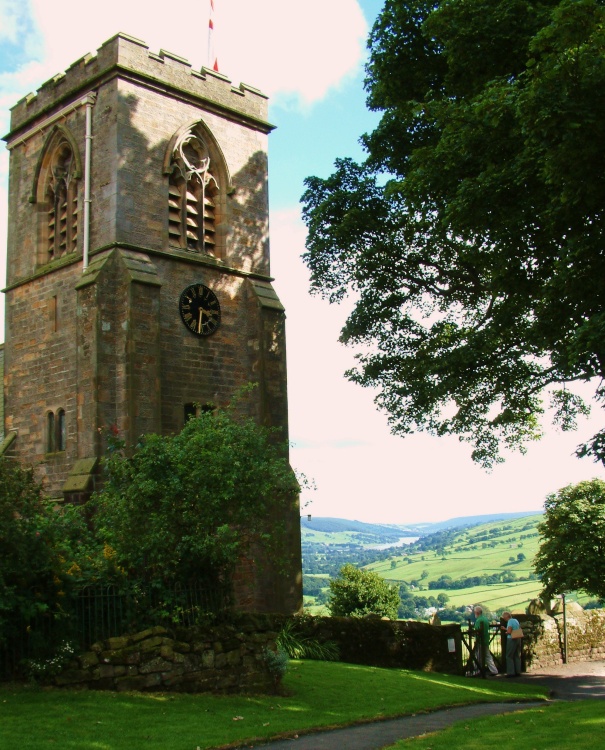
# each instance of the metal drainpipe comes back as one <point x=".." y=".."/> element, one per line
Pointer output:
<point x="564" y="630"/>
<point x="87" y="153"/>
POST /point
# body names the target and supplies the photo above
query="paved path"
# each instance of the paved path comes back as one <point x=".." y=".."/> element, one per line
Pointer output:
<point x="578" y="681"/>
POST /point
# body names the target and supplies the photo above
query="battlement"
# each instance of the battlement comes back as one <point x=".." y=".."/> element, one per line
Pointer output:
<point x="128" y="56"/>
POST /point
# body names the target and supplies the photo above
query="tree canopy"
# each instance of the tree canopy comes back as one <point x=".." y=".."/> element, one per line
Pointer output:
<point x="572" y="550"/>
<point x="185" y="506"/>
<point x="355" y="593"/>
<point x="471" y="237"/>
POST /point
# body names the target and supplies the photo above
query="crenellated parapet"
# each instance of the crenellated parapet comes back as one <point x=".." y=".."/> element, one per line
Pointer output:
<point x="127" y="56"/>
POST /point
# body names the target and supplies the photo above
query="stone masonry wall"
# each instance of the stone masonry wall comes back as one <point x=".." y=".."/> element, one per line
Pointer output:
<point x="403" y="644"/>
<point x="543" y="642"/>
<point x="220" y="660"/>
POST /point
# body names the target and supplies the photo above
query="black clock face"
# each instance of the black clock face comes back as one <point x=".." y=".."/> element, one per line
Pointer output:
<point x="200" y="310"/>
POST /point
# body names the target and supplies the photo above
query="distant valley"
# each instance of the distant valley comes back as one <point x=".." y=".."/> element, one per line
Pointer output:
<point x="449" y="565"/>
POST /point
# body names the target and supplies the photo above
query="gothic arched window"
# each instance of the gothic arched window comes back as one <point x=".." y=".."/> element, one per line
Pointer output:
<point x="193" y="196"/>
<point x="62" y="201"/>
<point x="55" y="191"/>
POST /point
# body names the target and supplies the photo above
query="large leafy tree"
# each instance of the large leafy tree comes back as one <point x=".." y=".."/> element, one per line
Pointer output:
<point x="355" y="593"/>
<point x="472" y="235"/>
<point x="572" y="550"/>
<point x="187" y="506"/>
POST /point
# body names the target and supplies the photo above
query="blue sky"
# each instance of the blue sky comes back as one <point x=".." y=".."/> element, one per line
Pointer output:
<point x="308" y="57"/>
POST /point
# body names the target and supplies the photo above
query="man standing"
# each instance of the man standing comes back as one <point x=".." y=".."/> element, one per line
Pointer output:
<point x="483" y="654"/>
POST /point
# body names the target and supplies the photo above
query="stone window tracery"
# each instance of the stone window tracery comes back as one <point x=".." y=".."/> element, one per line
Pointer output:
<point x="193" y="196"/>
<point x="62" y="201"/>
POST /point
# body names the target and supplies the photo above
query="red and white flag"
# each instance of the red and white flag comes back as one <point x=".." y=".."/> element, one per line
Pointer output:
<point x="212" y="58"/>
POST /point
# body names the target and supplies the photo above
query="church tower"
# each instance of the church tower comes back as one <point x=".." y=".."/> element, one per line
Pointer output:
<point x="138" y="275"/>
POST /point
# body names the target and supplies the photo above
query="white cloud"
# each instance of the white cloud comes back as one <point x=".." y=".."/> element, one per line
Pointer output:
<point x="288" y="49"/>
<point x="294" y="50"/>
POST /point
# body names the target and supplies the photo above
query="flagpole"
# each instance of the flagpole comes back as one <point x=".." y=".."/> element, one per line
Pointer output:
<point x="212" y="58"/>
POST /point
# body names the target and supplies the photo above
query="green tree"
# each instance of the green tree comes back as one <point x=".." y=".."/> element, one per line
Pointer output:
<point x="28" y="562"/>
<point x="472" y="235"/>
<point x="572" y="550"/>
<point x="185" y="506"/>
<point x="41" y="548"/>
<point x="355" y="593"/>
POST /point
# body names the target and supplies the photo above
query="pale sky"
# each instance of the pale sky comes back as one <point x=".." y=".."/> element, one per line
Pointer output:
<point x="308" y="56"/>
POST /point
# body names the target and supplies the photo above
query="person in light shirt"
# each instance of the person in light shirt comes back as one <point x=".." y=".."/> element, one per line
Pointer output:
<point x="514" y="646"/>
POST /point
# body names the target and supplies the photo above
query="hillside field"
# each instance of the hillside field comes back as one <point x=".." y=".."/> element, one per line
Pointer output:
<point x="504" y="550"/>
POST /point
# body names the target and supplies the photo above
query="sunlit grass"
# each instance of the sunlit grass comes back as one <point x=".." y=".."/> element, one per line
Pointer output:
<point x="320" y="694"/>
<point x="565" y="726"/>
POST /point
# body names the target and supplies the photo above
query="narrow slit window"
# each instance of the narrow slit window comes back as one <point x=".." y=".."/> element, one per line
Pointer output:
<point x="61" y="437"/>
<point x="50" y="432"/>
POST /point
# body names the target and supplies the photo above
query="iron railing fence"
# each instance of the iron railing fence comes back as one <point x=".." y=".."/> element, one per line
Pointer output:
<point x="473" y="657"/>
<point x="96" y="613"/>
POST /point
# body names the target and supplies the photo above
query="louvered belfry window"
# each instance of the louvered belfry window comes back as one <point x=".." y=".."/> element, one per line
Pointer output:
<point x="192" y="198"/>
<point x="62" y="198"/>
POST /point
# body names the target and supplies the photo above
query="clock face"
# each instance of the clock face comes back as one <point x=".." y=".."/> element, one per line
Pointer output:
<point x="200" y="310"/>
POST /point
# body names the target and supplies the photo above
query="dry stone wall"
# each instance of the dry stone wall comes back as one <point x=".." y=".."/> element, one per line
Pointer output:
<point x="544" y="638"/>
<point x="220" y="660"/>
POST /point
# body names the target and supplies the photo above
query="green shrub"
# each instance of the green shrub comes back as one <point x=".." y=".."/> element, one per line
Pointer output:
<point x="356" y="593"/>
<point x="175" y="508"/>
<point x="277" y="663"/>
<point x="30" y="566"/>
<point x="300" y="646"/>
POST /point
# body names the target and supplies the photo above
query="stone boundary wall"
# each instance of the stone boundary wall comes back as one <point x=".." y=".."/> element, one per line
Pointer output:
<point x="225" y="659"/>
<point x="404" y="644"/>
<point x="543" y="637"/>
<point x="230" y="658"/>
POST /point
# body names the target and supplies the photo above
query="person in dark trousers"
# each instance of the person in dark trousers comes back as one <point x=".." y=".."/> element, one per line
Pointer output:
<point x="484" y="656"/>
<point x="514" y="644"/>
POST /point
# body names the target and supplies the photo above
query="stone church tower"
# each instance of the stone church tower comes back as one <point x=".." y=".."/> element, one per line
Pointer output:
<point x="138" y="282"/>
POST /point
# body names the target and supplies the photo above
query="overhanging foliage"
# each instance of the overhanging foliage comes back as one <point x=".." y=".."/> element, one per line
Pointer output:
<point x="472" y="235"/>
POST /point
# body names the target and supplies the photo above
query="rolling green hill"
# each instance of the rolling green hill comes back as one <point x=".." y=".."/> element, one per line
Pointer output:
<point x="483" y="563"/>
<point x="498" y="549"/>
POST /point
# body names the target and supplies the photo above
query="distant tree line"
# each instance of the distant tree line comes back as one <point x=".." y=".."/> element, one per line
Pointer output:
<point x="447" y="582"/>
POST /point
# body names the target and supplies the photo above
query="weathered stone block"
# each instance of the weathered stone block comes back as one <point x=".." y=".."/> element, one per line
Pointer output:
<point x="113" y="644"/>
<point x="88" y="659"/>
<point x="155" y="665"/>
<point x="151" y="643"/>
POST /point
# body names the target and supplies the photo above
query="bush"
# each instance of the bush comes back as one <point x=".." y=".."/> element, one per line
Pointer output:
<point x="184" y="506"/>
<point x="29" y="562"/>
<point x="359" y="592"/>
<point x="300" y="646"/>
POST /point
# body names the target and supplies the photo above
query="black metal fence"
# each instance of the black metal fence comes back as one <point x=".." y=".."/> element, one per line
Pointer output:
<point x="99" y="612"/>
<point x="474" y="657"/>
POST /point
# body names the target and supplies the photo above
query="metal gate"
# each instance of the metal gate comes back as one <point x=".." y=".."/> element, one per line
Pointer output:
<point x="474" y="656"/>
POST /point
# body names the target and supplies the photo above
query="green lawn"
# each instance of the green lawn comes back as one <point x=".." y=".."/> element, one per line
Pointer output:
<point x="320" y="694"/>
<point x="564" y="726"/>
